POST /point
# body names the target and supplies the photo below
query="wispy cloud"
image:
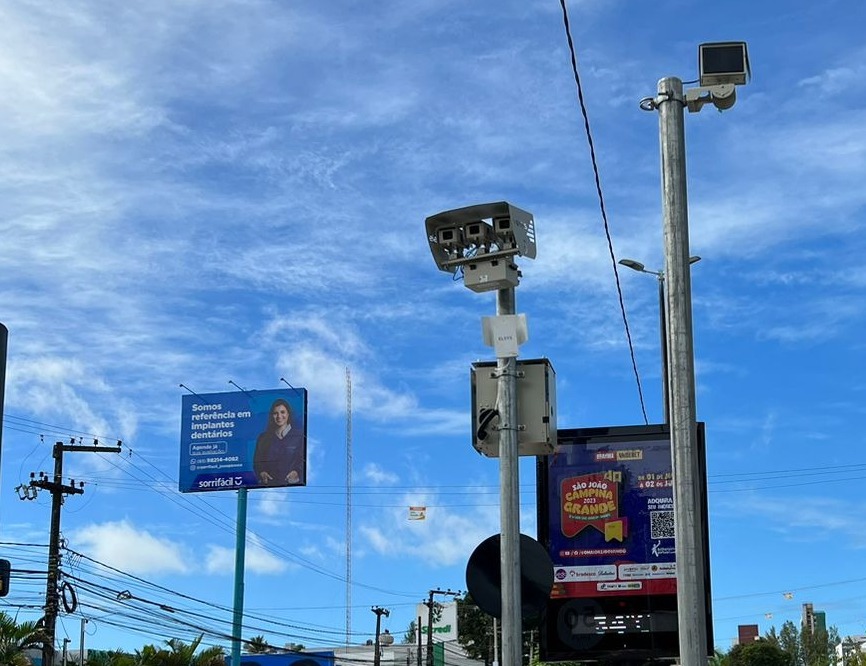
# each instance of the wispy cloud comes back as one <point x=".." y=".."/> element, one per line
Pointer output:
<point x="257" y="559"/>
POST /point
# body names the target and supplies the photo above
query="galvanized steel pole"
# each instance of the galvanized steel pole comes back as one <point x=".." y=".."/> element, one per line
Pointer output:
<point x="509" y="481"/>
<point x="691" y="597"/>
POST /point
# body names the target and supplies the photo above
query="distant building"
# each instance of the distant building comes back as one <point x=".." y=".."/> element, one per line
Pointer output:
<point x="401" y="654"/>
<point x="848" y="647"/>
<point x="813" y="620"/>
<point x="747" y="633"/>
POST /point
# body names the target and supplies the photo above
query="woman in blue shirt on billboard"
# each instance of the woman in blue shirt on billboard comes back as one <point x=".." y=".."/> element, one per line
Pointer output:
<point x="279" y="455"/>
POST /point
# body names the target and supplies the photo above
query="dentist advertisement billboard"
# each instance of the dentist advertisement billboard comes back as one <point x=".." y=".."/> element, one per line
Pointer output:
<point x="244" y="439"/>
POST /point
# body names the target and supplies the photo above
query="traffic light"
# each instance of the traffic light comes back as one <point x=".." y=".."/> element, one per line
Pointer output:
<point x="5" y="571"/>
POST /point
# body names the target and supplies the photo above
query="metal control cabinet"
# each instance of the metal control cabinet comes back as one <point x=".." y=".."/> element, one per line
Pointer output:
<point x="536" y="408"/>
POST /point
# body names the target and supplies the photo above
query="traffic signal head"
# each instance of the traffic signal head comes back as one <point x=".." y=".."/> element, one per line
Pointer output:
<point x="5" y="571"/>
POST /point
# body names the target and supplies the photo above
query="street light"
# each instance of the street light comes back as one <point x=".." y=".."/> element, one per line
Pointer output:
<point x="663" y="333"/>
<point x="722" y="66"/>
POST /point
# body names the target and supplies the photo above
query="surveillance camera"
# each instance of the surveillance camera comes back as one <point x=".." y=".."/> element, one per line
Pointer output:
<point x="723" y="63"/>
<point x="451" y="237"/>
<point x="479" y="233"/>
<point x="724" y="96"/>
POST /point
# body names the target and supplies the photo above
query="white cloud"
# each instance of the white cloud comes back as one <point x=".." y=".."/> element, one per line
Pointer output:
<point x="446" y="537"/>
<point x="378" y="475"/>
<point x="257" y="559"/>
<point x="804" y="519"/>
<point x="122" y="545"/>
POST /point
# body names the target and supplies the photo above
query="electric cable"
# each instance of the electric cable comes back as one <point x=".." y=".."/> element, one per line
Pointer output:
<point x="602" y="206"/>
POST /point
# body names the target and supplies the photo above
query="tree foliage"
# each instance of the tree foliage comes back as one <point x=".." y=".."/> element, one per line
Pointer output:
<point x="804" y="646"/>
<point x="258" y="645"/>
<point x="109" y="658"/>
<point x="475" y="630"/>
<point x="759" y="653"/>
<point x="411" y="635"/>
<point x="17" y="637"/>
<point x="179" y="653"/>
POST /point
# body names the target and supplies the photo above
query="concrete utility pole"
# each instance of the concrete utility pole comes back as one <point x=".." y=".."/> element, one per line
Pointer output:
<point x="691" y="596"/>
<point x="430" y="604"/>
<point x="379" y="613"/>
<point x="58" y="490"/>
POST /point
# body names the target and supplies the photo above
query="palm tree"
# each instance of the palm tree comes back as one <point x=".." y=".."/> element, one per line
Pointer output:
<point x="258" y="645"/>
<point x="181" y="654"/>
<point x="15" y="638"/>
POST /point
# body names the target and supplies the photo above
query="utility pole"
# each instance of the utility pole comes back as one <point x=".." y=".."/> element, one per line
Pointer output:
<point x="430" y="603"/>
<point x="379" y="613"/>
<point x="81" y="654"/>
<point x="58" y="491"/>
<point x="419" y="640"/>
<point x="691" y="597"/>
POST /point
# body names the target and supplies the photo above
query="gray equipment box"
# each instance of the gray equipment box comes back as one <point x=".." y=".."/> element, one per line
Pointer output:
<point x="536" y="408"/>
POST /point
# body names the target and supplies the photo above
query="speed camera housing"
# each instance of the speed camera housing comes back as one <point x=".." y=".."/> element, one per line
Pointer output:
<point x="483" y="241"/>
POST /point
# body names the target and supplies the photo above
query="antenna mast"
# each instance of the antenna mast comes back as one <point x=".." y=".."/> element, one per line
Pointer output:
<point x="348" y="506"/>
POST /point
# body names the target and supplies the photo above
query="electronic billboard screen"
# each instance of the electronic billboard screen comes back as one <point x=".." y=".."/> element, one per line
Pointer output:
<point x="246" y="439"/>
<point x="606" y="517"/>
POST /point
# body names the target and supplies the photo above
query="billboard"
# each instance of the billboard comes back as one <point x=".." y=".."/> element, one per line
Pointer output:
<point x="444" y="627"/>
<point x="325" y="658"/>
<point x="245" y="439"/>
<point x="606" y="517"/>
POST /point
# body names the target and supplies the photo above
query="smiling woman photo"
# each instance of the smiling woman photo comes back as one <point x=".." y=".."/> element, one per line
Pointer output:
<point x="279" y="454"/>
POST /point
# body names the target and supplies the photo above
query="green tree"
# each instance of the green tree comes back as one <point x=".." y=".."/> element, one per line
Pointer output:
<point x="258" y="645"/>
<point x="411" y="635"/>
<point x="719" y="658"/>
<point x="759" y="653"/>
<point x="805" y="647"/>
<point x="180" y="654"/>
<point x="109" y="658"/>
<point x="17" y="637"/>
<point x="475" y="630"/>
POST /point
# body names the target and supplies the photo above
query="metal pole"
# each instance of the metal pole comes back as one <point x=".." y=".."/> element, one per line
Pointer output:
<point x="509" y="480"/>
<point x="495" y="643"/>
<point x="4" y="341"/>
<point x="81" y="656"/>
<point x="240" y="552"/>
<point x="691" y="599"/>
<point x="53" y="559"/>
<point x="663" y="333"/>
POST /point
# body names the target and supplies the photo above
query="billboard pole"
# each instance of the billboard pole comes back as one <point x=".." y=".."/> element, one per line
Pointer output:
<point x="240" y="552"/>
<point x="691" y="598"/>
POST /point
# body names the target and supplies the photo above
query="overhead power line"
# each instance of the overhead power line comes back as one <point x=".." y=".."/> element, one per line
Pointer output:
<point x="602" y="206"/>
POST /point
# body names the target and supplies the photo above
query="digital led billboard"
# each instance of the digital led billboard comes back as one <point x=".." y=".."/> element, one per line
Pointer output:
<point x="606" y="517"/>
<point x="246" y="439"/>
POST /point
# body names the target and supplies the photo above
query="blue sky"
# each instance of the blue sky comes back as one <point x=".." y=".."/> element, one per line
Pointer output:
<point x="196" y="192"/>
